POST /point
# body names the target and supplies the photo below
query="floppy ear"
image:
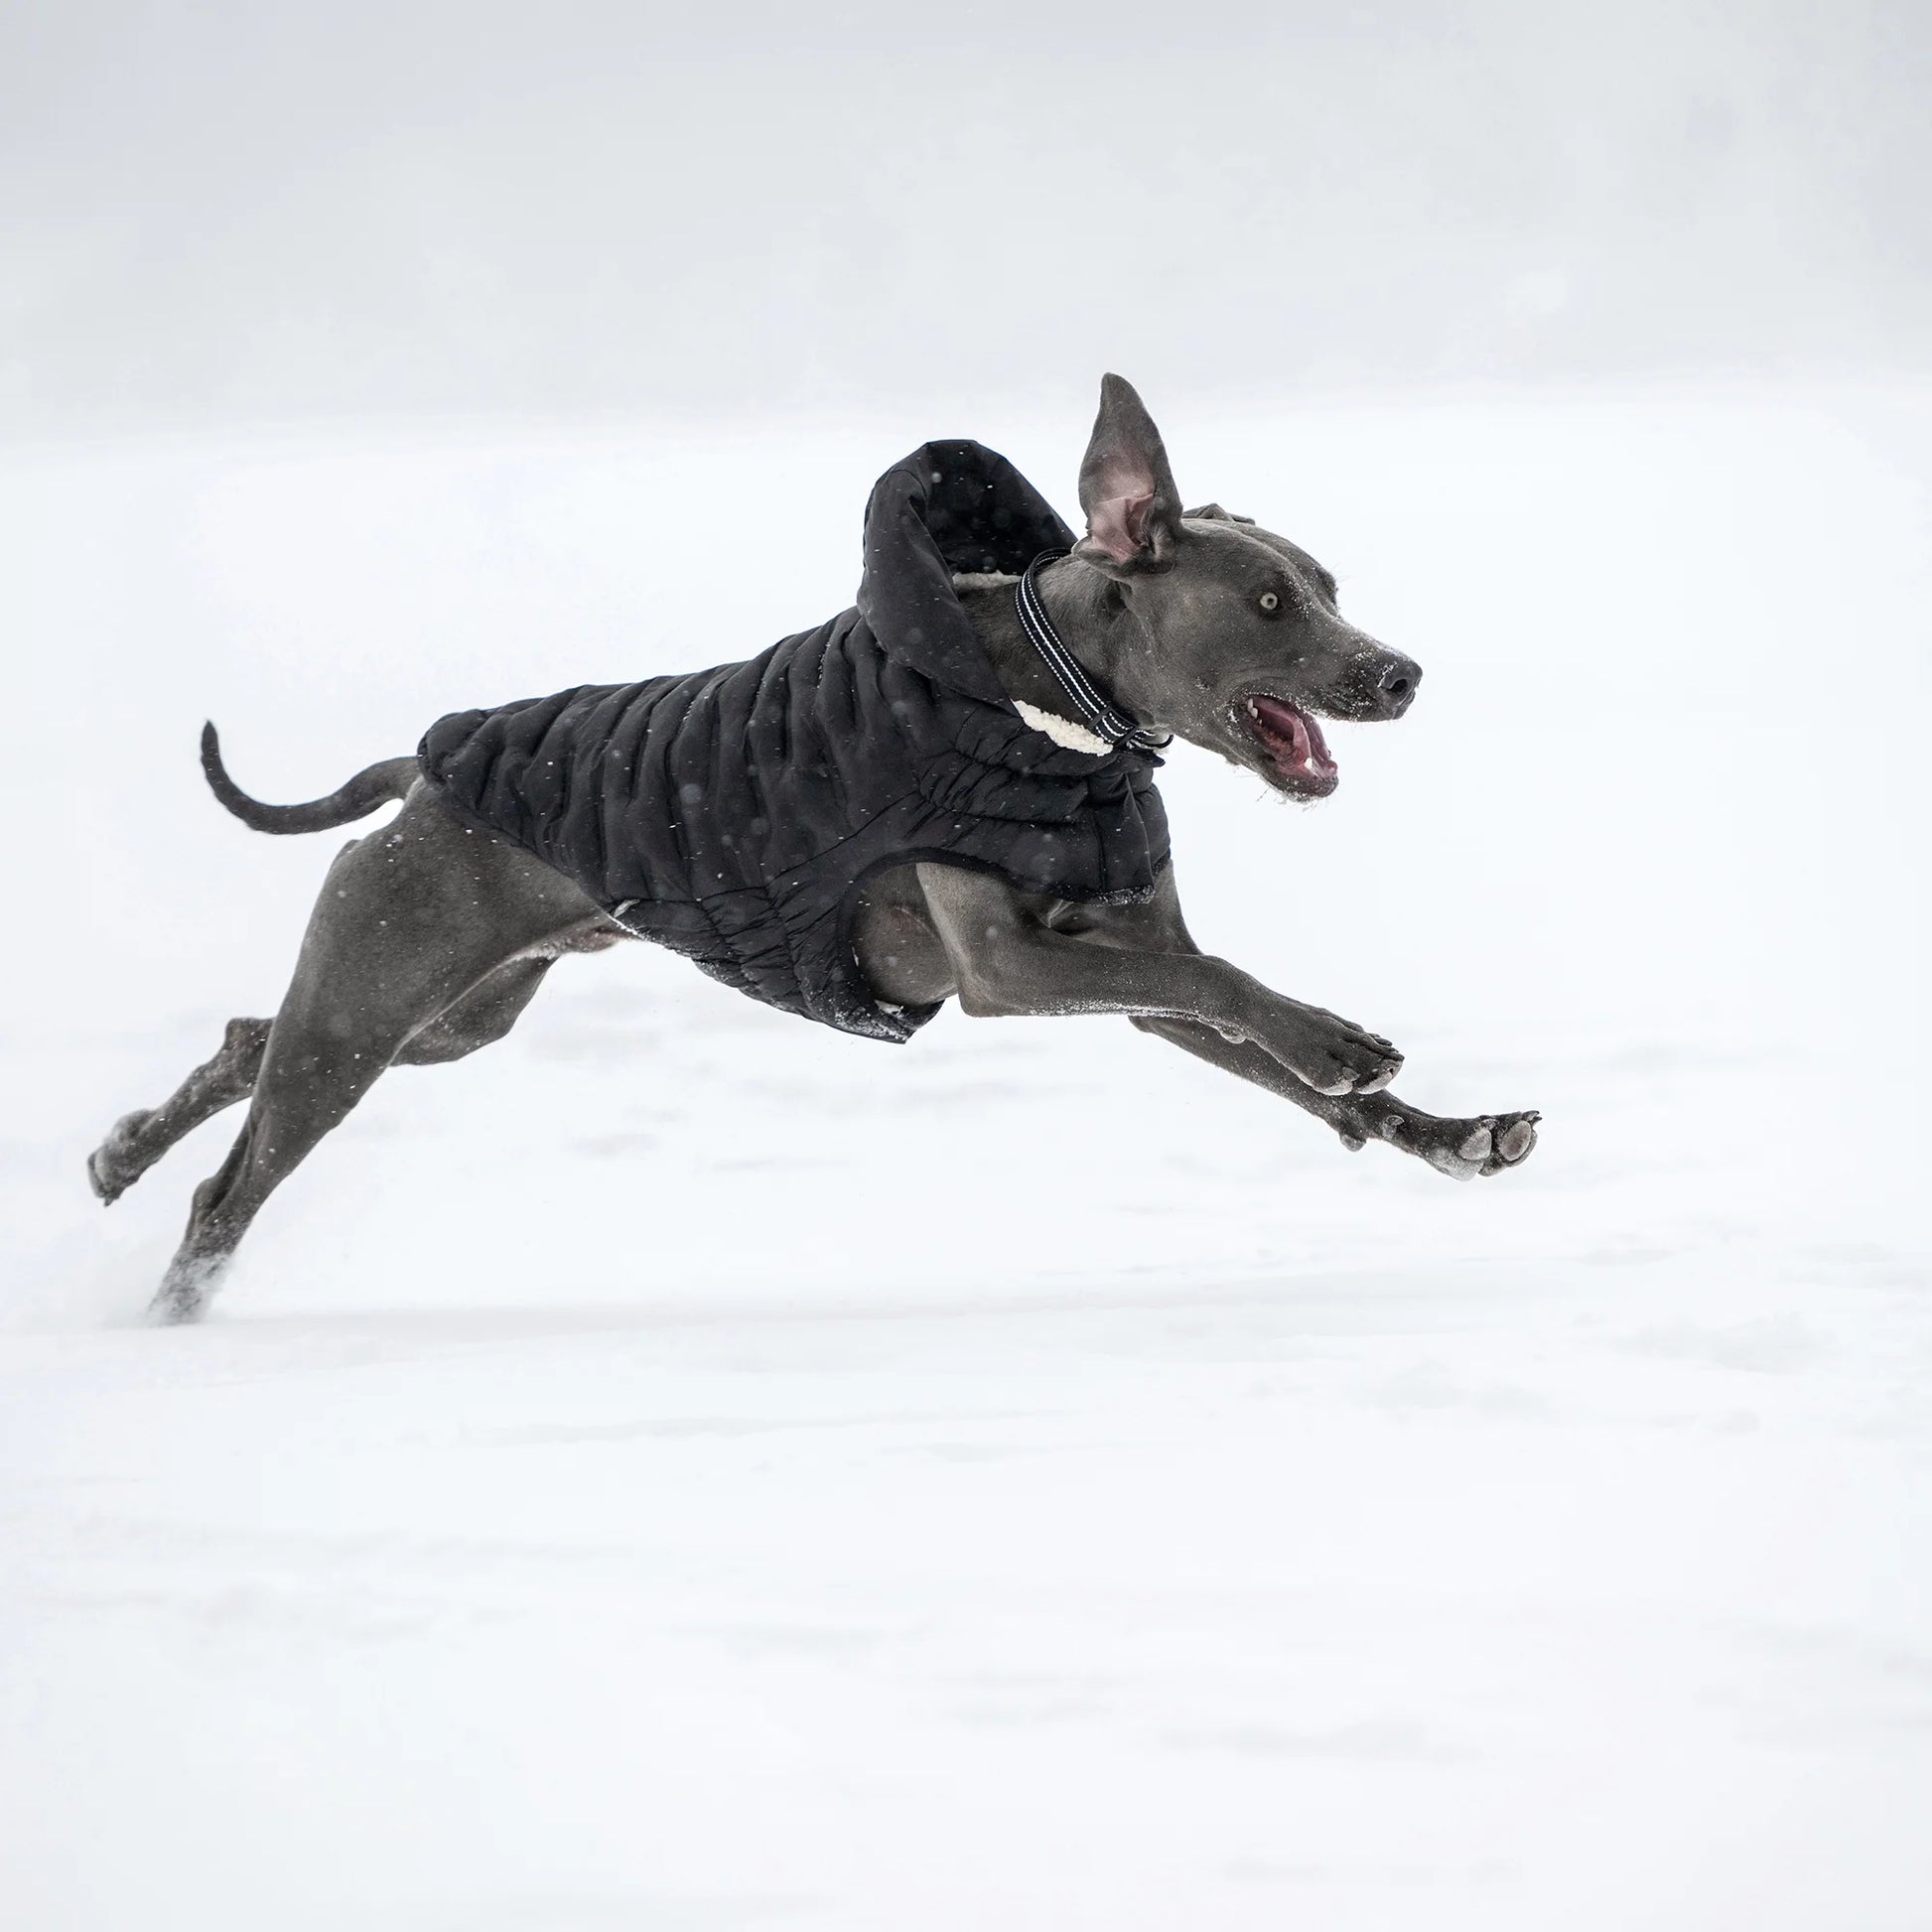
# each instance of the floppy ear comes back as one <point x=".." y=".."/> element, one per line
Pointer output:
<point x="1126" y="487"/>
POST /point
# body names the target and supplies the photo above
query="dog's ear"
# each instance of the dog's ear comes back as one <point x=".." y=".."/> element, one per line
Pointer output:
<point x="1126" y="487"/>
<point x="1214" y="514"/>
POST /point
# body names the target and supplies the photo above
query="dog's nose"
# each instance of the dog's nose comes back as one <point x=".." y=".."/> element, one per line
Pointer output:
<point x="1395" y="689"/>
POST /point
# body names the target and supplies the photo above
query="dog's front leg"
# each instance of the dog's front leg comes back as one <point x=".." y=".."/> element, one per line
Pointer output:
<point x="1007" y="962"/>
<point x="1141" y="961"/>
<point x="1462" y="1148"/>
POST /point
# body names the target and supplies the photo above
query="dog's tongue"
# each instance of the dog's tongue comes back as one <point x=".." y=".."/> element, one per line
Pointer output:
<point x="1308" y="757"/>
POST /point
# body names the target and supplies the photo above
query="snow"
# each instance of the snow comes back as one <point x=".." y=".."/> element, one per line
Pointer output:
<point x="681" y="1468"/>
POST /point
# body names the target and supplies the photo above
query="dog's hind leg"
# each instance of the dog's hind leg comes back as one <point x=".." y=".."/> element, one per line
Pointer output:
<point x="496" y="1001"/>
<point x="295" y="1104"/>
<point x="278" y="1135"/>
<point x="423" y="921"/>
<point x="138" y="1139"/>
<point x="485" y="1014"/>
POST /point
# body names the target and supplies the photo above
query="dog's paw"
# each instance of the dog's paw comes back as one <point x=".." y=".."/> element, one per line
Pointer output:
<point x="1335" y="1056"/>
<point x="169" y="1311"/>
<point x="117" y="1164"/>
<point x="183" y="1296"/>
<point x="1465" y="1149"/>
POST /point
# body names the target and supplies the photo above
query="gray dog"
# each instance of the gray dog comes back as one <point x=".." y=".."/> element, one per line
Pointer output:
<point x="430" y="937"/>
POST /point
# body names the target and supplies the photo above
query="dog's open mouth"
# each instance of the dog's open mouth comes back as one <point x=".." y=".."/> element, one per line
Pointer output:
<point x="1293" y="742"/>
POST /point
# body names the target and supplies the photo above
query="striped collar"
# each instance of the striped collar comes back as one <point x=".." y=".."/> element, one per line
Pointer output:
<point x="1100" y="714"/>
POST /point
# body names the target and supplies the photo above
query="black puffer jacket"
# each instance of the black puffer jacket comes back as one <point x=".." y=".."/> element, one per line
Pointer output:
<point x="729" y="813"/>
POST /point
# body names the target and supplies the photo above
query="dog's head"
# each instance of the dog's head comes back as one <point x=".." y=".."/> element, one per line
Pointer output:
<point x="1234" y="640"/>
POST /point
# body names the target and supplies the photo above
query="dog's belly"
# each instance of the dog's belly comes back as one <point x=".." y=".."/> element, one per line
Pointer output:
<point x="896" y="948"/>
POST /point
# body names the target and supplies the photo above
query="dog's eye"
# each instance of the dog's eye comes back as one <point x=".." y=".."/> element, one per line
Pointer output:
<point x="1270" y="601"/>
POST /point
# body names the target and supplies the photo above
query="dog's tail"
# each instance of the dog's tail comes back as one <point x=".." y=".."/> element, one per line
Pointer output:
<point x="356" y="800"/>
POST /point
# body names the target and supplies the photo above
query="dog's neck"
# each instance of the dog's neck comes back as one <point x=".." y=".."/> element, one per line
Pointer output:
<point x="1093" y="624"/>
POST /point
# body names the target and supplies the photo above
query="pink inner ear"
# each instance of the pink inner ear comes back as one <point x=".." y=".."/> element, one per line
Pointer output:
<point x="1119" y="525"/>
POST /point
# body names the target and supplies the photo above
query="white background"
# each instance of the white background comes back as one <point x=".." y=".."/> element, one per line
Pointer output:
<point x="684" y="1468"/>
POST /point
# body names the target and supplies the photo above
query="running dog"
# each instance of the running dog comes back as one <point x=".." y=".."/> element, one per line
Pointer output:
<point x="1002" y="701"/>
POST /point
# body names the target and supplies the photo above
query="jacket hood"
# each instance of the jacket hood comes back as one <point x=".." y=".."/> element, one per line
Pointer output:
<point x="947" y="507"/>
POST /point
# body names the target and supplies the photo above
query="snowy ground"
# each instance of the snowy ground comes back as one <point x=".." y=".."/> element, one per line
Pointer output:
<point x="684" y="1470"/>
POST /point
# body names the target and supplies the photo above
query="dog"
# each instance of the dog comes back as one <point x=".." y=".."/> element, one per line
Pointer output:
<point x="431" y="937"/>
